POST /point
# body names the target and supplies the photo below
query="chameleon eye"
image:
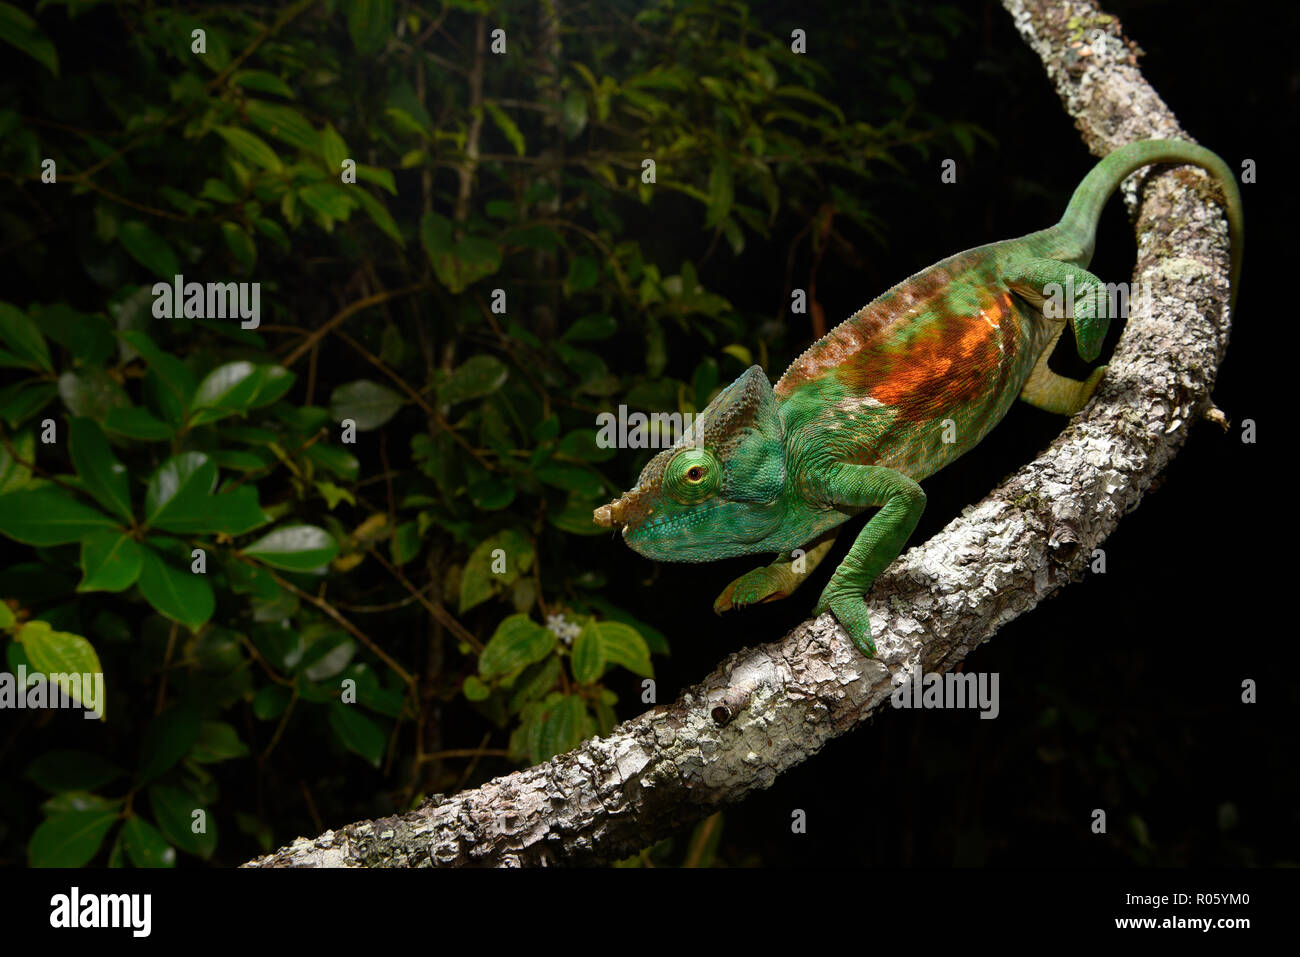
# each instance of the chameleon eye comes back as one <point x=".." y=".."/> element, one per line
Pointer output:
<point x="691" y="477"/>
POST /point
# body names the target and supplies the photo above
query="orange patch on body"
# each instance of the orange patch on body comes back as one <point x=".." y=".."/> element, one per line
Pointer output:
<point x="950" y="362"/>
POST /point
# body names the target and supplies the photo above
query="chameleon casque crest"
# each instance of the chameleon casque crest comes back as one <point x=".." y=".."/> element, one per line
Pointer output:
<point x="904" y="387"/>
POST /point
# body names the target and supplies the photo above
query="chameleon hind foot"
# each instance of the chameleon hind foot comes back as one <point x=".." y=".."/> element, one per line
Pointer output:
<point x="1055" y="393"/>
<point x="1045" y="283"/>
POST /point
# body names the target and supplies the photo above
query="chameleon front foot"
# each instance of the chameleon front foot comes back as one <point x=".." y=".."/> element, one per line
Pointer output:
<point x="851" y="612"/>
<point x="760" y="585"/>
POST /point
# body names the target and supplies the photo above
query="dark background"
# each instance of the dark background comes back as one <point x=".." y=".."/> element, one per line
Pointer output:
<point x="1123" y="691"/>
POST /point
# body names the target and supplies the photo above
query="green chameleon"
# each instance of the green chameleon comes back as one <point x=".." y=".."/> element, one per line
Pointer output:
<point x="904" y="387"/>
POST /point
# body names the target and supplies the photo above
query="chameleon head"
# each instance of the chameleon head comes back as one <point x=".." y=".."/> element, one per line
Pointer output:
<point x="718" y="491"/>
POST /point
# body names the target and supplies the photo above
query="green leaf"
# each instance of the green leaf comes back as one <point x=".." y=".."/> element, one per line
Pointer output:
<point x="404" y="121"/>
<point x="20" y="401"/>
<point x="333" y="150"/>
<point x="239" y="460"/>
<point x="179" y="493"/>
<point x="55" y="653"/>
<point x="705" y="381"/>
<point x="64" y="770"/>
<point x="457" y="264"/>
<point x="116" y="854"/>
<point x="175" y="811"/>
<point x="273" y="381"/>
<point x="378" y="176"/>
<point x="48" y="516"/>
<point x="269" y="702"/>
<point x="380" y="216"/>
<point x="474" y="689"/>
<point x="571" y="478"/>
<point x="901" y="88"/>
<point x="472" y="379"/>
<point x="91" y="392"/>
<point x="479" y="580"/>
<point x="588" y="656"/>
<point x="284" y="123"/>
<point x="803" y="93"/>
<point x="566" y="724"/>
<point x="263" y="82"/>
<point x="104" y="476"/>
<point x="77" y="801"/>
<point x="168" y="738"/>
<point x="148" y="249"/>
<point x="180" y="595"/>
<point x="623" y="645"/>
<point x="575" y="517"/>
<point x="535" y="681"/>
<point x="721" y="193"/>
<point x="583" y="274"/>
<point x="367" y="403"/>
<point x="477" y="583"/>
<point x="327" y="655"/>
<point x="493" y="493"/>
<point x="21" y="31"/>
<point x="573" y="113"/>
<point x="406" y="543"/>
<point x="339" y="461"/>
<point x="581" y="444"/>
<point x="144" y="845"/>
<point x="273" y="231"/>
<point x="590" y="328"/>
<point x="225" y="390"/>
<point x="110" y="561"/>
<point x="87" y="336"/>
<point x="295" y="548"/>
<point x="70" y="839"/>
<point x="23" y="338"/>
<point x="518" y="641"/>
<point x="217" y="191"/>
<point x="217" y="741"/>
<point x="236" y="512"/>
<point x="172" y="373"/>
<point x="250" y="147"/>
<point x="740" y="353"/>
<point x="385" y="701"/>
<point x="507" y="126"/>
<point x="369" y="23"/>
<point x="359" y="734"/>
<point x="240" y="244"/>
<point x="13" y="474"/>
<point x="329" y="199"/>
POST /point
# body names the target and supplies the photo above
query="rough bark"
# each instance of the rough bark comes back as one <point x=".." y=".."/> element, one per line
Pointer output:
<point x="765" y="709"/>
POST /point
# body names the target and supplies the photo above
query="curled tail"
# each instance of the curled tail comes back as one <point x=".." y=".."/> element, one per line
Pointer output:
<point x="1080" y="219"/>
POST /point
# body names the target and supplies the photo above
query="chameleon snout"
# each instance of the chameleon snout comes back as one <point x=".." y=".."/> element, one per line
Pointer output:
<point x="612" y="515"/>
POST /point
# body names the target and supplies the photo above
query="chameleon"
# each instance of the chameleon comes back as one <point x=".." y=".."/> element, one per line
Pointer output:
<point x="902" y="388"/>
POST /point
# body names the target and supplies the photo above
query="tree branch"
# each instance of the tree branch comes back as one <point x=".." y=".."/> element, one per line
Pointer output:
<point x="769" y="708"/>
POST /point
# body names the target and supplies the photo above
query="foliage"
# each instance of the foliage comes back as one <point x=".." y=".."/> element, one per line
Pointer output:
<point x="367" y="511"/>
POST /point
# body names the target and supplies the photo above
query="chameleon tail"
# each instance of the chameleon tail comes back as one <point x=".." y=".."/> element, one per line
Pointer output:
<point x="1080" y="220"/>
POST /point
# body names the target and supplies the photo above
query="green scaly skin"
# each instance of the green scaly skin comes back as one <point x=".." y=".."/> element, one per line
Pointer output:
<point x="907" y="385"/>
